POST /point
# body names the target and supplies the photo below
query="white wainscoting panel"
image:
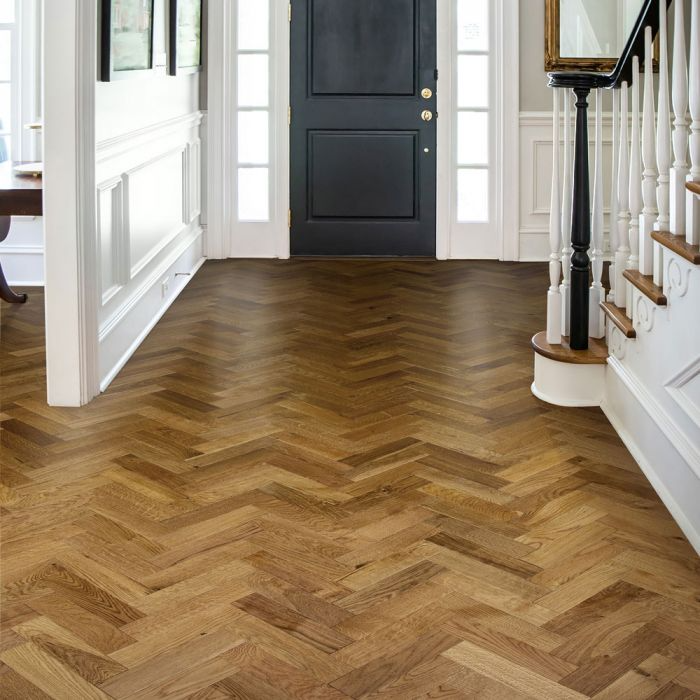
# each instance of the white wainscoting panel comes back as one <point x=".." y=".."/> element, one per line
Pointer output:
<point x="150" y="237"/>
<point x="536" y="179"/>
<point x="22" y="253"/>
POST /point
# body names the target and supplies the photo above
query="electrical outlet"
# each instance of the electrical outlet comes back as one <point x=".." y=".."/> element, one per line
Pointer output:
<point x="165" y="286"/>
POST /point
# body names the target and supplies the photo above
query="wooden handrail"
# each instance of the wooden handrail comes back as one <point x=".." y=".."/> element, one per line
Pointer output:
<point x="648" y="17"/>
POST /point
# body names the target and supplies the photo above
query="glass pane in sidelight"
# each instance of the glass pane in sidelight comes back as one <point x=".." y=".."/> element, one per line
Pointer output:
<point x="7" y="11"/>
<point x="253" y="138"/>
<point x="473" y="81"/>
<point x="473" y="138"/>
<point x="253" y="81"/>
<point x="5" y="54"/>
<point x="473" y="25"/>
<point x="253" y="194"/>
<point x="473" y="195"/>
<point x="253" y="25"/>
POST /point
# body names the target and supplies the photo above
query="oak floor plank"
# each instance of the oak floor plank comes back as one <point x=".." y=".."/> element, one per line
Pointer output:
<point x="329" y="479"/>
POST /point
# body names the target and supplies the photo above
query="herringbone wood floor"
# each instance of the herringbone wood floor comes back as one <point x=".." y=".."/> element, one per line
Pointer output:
<point x="327" y="479"/>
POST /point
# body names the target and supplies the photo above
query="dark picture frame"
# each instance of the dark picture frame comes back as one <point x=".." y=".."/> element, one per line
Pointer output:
<point x="134" y="46"/>
<point x="185" y="37"/>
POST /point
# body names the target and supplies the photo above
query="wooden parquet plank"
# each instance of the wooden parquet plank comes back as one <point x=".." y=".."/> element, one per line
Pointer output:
<point x="329" y="479"/>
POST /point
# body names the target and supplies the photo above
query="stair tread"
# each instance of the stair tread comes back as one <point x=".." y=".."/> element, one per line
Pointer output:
<point x="645" y="284"/>
<point x="597" y="353"/>
<point x="693" y="187"/>
<point x="678" y="245"/>
<point x="619" y="318"/>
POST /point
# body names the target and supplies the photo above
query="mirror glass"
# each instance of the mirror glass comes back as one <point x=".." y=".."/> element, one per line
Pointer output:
<point x="596" y="28"/>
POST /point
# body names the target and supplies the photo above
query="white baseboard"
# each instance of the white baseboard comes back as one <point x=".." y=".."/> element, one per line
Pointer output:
<point x="125" y="333"/>
<point x="666" y="461"/>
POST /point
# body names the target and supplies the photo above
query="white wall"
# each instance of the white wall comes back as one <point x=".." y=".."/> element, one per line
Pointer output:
<point x="149" y="238"/>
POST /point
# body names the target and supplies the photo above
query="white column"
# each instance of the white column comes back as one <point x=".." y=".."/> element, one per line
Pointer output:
<point x="663" y="146"/>
<point x="614" y="196"/>
<point x="72" y="295"/>
<point x="635" y="183"/>
<point x="622" y="253"/>
<point x="680" y="123"/>
<point x="566" y="208"/>
<point x="554" y="314"/>
<point x="650" y="212"/>
<point x="692" y="226"/>
<point x="596" y="324"/>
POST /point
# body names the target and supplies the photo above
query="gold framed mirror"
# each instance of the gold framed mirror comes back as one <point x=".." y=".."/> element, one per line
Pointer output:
<point x="587" y="35"/>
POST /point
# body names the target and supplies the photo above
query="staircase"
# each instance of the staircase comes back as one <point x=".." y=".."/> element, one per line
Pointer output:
<point x="632" y="349"/>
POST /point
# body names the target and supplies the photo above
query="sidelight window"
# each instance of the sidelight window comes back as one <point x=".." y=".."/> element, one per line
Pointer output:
<point x="8" y="46"/>
<point x="473" y="107"/>
<point x="253" y="110"/>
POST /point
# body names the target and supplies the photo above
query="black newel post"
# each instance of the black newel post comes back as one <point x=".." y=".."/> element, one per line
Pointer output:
<point x="580" y="228"/>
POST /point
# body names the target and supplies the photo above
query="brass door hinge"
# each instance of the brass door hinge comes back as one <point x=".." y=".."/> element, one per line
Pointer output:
<point x="289" y="12"/>
<point x="289" y="218"/>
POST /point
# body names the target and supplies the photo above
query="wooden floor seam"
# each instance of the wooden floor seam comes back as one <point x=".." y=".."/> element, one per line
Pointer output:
<point x="329" y="479"/>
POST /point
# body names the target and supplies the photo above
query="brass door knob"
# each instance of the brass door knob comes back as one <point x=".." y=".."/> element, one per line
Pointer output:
<point x="426" y="93"/>
<point x="426" y="115"/>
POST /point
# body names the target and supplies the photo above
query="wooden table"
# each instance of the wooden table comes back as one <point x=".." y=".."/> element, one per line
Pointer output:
<point x="20" y="195"/>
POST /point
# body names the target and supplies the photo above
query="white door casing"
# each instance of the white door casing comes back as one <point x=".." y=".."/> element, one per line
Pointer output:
<point x="227" y="236"/>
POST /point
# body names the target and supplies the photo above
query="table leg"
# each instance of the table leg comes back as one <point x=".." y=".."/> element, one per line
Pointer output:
<point x="6" y="294"/>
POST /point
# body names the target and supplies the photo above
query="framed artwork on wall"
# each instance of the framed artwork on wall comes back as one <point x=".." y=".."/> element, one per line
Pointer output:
<point x="588" y="36"/>
<point x="185" y="37"/>
<point x="127" y="39"/>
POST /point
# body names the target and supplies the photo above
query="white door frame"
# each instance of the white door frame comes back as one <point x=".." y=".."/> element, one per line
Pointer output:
<point x="70" y="62"/>
<point x="272" y="239"/>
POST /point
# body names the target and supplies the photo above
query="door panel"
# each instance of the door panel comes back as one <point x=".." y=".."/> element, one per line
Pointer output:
<point x="356" y="51"/>
<point x="362" y="159"/>
<point x="340" y="188"/>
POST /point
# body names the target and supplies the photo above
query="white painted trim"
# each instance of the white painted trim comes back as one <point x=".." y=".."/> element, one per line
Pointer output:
<point x="70" y="57"/>
<point x="508" y="163"/>
<point x="280" y="160"/>
<point x="690" y="453"/>
<point x="633" y="416"/>
<point x="155" y="276"/>
<point x="21" y="249"/>
<point x="140" y="297"/>
<point x="132" y="140"/>
<point x="220" y="134"/>
<point x="445" y="197"/>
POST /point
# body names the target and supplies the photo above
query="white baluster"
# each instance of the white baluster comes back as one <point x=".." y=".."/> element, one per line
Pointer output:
<point x="692" y="230"/>
<point x="680" y="123"/>
<point x="596" y="324"/>
<point x="650" y="212"/>
<point x="614" y="196"/>
<point x="663" y="146"/>
<point x="566" y="208"/>
<point x="622" y="253"/>
<point x="554" y="310"/>
<point x="635" y="183"/>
